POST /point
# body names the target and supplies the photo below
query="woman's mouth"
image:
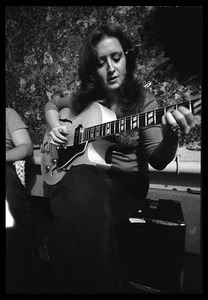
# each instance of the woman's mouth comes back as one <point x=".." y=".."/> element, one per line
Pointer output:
<point x="112" y="79"/>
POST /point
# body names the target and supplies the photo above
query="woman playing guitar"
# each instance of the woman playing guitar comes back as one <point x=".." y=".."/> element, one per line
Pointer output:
<point x="95" y="156"/>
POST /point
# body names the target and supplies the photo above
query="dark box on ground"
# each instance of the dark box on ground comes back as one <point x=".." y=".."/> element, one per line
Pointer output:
<point x="152" y="247"/>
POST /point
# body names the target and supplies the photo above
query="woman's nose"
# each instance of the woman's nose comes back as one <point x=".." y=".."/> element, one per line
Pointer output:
<point x="110" y="66"/>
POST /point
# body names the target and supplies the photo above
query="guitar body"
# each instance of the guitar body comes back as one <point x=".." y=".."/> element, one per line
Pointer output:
<point x="56" y="161"/>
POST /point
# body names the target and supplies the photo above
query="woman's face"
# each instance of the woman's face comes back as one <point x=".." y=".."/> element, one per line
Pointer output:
<point x="111" y="70"/>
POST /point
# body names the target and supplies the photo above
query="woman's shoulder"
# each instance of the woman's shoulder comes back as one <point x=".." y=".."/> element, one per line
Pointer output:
<point x="60" y="101"/>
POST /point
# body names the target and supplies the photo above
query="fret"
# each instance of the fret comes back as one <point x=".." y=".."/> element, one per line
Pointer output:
<point x="107" y="128"/>
<point x="146" y="119"/>
<point x="125" y="124"/>
<point x="131" y="122"/>
<point x="197" y="106"/>
<point x="190" y="107"/>
<point x="92" y="133"/>
<point x="122" y="125"/>
<point x="150" y="118"/>
<point x="114" y="130"/>
<point x="135" y="121"/>
<point x="103" y="128"/>
<point x="97" y="131"/>
<point x="154" y="117"/>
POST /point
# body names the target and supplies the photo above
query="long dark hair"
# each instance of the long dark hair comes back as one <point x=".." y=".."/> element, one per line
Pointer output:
<point x="90" y="90"/>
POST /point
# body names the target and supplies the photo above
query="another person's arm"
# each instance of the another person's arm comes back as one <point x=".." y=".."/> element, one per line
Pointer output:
<point x="23" y="146"/>
<point x="18" y="142"/>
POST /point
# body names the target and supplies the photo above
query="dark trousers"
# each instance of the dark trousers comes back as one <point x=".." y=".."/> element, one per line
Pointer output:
<point x="87" y="204"/>
<point x="21" y="275"/>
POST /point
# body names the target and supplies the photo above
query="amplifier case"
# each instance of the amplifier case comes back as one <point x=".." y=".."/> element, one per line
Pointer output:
<point x="152" y="246"/>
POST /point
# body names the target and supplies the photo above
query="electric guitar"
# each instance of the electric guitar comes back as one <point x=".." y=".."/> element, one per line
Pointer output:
<point x="88" y="136"/>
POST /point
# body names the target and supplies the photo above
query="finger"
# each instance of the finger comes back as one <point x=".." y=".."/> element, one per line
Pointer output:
<point x="53" y="143"/>
<point x="164" y="122"/>
<point x="63" y="130"/>
<point x="182" y="121"/>
<point x="188" y="116"/>
<point x="60" y="133"/>
<point x="186" y="96"/>
<point x="170" y="119"/>
<point x="169" y="123"/>
<point x="55" y="139"/>
<point x="170" y="127"/>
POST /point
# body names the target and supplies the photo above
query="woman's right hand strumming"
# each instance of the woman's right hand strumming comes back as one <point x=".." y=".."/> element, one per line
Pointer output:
<point x="58" y="135"/>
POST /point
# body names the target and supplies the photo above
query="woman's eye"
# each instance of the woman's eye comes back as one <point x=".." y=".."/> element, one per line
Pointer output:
<point x="101" y="64"/>
<point x="116" y="59"/>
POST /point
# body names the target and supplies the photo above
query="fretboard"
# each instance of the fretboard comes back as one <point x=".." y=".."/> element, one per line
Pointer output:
<point x="135" y="121"/>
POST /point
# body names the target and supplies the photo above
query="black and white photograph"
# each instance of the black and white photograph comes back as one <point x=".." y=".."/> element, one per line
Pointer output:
<point x="103" y="149"/>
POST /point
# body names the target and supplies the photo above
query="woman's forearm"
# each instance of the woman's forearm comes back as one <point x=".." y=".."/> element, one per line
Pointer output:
<point x="164" y="153"/>
<point x="52" y="118"/>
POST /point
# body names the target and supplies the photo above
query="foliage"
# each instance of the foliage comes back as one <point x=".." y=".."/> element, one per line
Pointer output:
<point x="42" y="49"/>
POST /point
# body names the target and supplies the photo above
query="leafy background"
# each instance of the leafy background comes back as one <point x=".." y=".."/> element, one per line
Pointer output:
<point x="43" y="44"/>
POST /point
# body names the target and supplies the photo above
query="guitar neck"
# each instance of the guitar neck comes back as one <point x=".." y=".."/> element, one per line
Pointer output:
<point x="134" y="121"/>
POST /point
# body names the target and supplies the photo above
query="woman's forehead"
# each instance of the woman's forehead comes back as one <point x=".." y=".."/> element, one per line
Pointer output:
<point x="108" y="45"/>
